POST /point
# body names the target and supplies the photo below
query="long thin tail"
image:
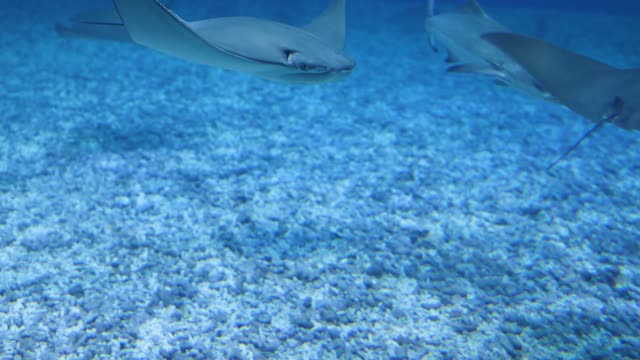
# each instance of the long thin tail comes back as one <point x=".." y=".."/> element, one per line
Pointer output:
<point x="610" y="116"/>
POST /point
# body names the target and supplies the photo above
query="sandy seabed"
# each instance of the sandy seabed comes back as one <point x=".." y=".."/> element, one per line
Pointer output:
<point x="152" y="208"/>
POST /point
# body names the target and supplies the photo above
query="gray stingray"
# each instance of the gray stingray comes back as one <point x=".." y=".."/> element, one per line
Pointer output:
<point x="263" y="48"/>
<point x="460" y="32"/>
<point x="590" y="88"/>
<point x="595" y="90"/>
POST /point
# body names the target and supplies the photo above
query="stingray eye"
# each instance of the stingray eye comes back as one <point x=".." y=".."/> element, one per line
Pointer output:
<point x="296" y="59"/>
<point x="290" y="56"/>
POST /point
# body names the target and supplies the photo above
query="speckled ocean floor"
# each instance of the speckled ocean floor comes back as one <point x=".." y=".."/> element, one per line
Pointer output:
<point x="151" y="208"/>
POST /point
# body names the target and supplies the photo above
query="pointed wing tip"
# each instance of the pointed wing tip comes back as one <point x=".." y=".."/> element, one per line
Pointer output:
<point x="330" y="26"/>
<point x="472" y="7"/>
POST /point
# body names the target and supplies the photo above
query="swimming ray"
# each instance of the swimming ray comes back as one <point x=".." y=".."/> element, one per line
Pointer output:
<point x="263" y="48"/>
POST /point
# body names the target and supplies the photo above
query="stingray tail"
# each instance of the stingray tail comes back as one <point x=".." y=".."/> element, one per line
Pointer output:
<point x="102" y="24"/>
<point x="610" y="116"/>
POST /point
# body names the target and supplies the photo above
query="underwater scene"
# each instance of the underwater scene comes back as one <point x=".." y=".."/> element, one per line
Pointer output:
<point x="327" y="179"/>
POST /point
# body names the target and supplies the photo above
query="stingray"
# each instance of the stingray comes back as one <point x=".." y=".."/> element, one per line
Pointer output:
<point x="267" y="49"/>
<point x="460" y="32"/>
<point x="598" y="91"/>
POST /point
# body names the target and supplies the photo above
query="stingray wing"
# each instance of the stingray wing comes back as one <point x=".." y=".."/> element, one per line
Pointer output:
<point x="151" y="24"/>
<point x="584" y="85"/>
<point x="101" y="24"/>
<point x="330" y="26"/>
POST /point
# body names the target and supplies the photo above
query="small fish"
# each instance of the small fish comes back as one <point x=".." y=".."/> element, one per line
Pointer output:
<point x="460" y="32"/>
<point x="263" y="48"/>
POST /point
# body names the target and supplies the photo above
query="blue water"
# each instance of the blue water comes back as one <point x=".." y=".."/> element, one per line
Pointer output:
<point x="151" y="208"/>
<point x="612" y="6"/>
